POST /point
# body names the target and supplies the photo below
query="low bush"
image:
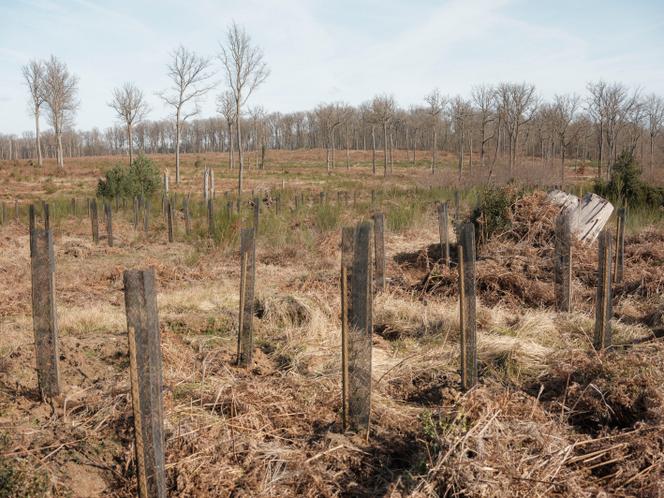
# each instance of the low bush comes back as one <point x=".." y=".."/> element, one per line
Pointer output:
<point x="140" y="178"/>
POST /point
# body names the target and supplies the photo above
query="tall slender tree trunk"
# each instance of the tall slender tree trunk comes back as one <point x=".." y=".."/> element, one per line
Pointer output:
<point x="433" y="149"/>
<point x="238" y="135"/>
<point x="38" y="138"/>
<point x="652" y="153"/>
<point x="61" y="159"/>
<point x="391" y="153"/>
<point x="384" y="148"/>
<point x="129" y="137"/>
<point x="178" y="131"/>
<point x="373" y="149"/>
<point x="333" y="149"/>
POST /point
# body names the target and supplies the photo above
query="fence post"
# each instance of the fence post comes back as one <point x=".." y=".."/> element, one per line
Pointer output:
<point x="245" y="341"/>
<point x="347" y="235"/>
<point x="146" y="380"/>
<point x="169" y="216"/>
<point x="257" y="210"/>
<point x="187" y="219"/>
<point x="443" y="230"/>
<point x="603" y="307"/>
<point x="357" y="297"/>
<point x="44" y="318"/>
<point x="210" y="218"/>
<point x="620" y="247"/>
<point x="457" y="208"/>
<point x="108" y="211"/>
<point x="562" y="264"/>
<point x="73" y="206"/>
<point x="379" y="251"/>
<point x="467" y="321"/>
<point x="95" y="220"/>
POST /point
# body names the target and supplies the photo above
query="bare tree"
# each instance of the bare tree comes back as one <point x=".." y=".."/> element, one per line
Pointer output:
<point x="484" y="98"/>
<point x="564" y="112"/>
<point x="461" y="113"/>
<point x="129" y="104"/>
<point x="383" y="108"/>
<point x="436" y="103"/>
<point x="245" y="70"/>
<point x="60" y="91"/>
<point x="654" y="108"/>
<point x="33" y="73"/>
<point x="226" y="106"/>
<point x="518" y="103"/>
<point x="190" y="77"/>
<point x="617" y="107"/>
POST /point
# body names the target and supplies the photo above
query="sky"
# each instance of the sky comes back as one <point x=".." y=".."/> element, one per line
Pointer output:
<point x="332" y="51"/>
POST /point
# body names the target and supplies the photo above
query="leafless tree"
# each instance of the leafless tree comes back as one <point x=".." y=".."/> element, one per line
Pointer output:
<point x="226" y="107"/>
<point x="60" y="91"/>
<point x="618" y="107"/>
<point x="436" y="104"/>
<point x="484" y="98"/>
<point x="130" y="106"/>
<point x="191" y="79"/>
<point x="564" y="112"/>
<point x="461" y="114"/>
<point x="654" y="108"/>
<point x="383" y="108"/>
<point x="34" y="73"/>
<point x="595" y="109"/>
<point x="517" y="103"/>
<point x="245" y="70"/>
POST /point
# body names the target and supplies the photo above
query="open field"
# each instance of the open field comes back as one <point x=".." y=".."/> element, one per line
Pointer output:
<point x="550" y="416"/>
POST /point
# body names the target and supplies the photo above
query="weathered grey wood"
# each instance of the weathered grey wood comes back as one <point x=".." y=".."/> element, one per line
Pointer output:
<point x="187" y="217"/>
<point x="603" y="305"/>
<point x="169" y="216"/>
<point x="47" y="216"/>
<point x="16" y="211"/>
<point x="146" y="380"/>
<point x="44" y="318"/>
<point x="619" y="269"/>
<point x="245" y="343"/>
<point x="108" y="210"/>
<point x="210" y="218"/>
<point x="347" y="240"/>
<point x="379" y="251"/>
<point x="94" y="216"/>
<point x="562" y="263"/>
<point x="146" y="216"/>
<point x="257" y="211"/>
<point x="360" y="327"/>
<point x="443" y="232"/>
<point x="588" y="216"/>
<point x="467" y="303"/>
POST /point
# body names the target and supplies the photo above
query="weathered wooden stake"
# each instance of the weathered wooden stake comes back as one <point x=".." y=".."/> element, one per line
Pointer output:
<point x="562" y="264"/>
<point x="187" y="218"/>
<point x="620" y="247"/>
<point x="443" y="231"/>
<point x="44" y="318"/>
<point x="108" y="211"/>
<point x="210" y="218"/>
<point x="467" y="320"/>
<point x="257" y="210"/>
<point x="357" y="326"/>
<point x="146" y="381"/>
<point x="245" y="340"/>
<point x="169" y="216"/>
<point x="379" y="251"/>
<point x="603" y="306"/>
<point x="94" y="215"/>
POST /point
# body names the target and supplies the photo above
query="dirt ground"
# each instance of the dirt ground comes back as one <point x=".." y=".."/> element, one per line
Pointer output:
<point x="550" y="417"/>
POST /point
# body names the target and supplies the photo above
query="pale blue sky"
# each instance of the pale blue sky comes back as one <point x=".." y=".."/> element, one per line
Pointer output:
<point x="340" y="50"/>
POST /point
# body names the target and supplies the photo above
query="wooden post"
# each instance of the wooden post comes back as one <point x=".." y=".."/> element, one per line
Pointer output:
<point x="146" y="216"/>
<point x="322" y="198"/>
<point x="187" y="219"/>
<point x="95" y="220"/>
<point x="210" y="218"/>
<point x="146" y="381"/>
<point x="357" y="321"/>
<point x="277" y="203"/>
<point x="562" y="264"/>
<point x="373" y="197"/>
<point x="457" y="208"/>
<point x="257" y="210"/>
<point x="109" y="223"/>
<point x="16" y="211"/>
<point x="47" y="216"/>
<point x="169" y="216"/>
<point x="379" y="251"/>
<point x="245" y="341"/>
<point x="620" y="247"/>
<point x="467" y="321"/>
<point x="44" y="318"/>
<point x="212" y="187"/>
<point x="73" y="206"/>
<point x="443" y="231"/>
<point x="603" y="306"/>
<point x="135" y="213"/>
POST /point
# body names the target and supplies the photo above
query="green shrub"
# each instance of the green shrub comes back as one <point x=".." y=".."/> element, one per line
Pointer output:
<point x="626" y="186"/>
<point x="141" y="178"/>
<point x="492" y="213"/>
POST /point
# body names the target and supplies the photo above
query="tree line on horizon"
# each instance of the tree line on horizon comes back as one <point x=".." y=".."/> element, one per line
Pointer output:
<point x="495" y="122"/>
